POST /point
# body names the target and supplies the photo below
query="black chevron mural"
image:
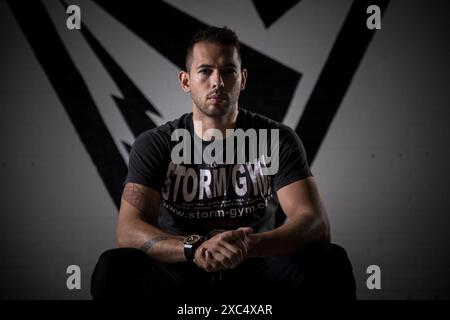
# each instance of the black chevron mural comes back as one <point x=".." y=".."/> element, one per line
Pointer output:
<point x="169" y="37"/>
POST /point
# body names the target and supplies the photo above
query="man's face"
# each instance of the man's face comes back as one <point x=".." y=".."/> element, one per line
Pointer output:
<point x="215" y="79"/>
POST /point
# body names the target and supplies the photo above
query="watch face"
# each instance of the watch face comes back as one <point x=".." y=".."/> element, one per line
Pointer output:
<point x="192" y="239"/>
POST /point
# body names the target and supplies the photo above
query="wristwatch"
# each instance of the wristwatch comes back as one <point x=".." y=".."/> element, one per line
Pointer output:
<point x="212" y="233"/>
<point x="190" y="244"/>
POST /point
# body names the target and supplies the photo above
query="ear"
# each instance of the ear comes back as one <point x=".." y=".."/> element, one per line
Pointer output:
<point x="244" y="76"/>
<point x="183" y="77"/>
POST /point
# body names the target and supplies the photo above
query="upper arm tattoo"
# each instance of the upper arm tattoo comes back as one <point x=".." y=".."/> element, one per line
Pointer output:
<point x="137" y="199"/>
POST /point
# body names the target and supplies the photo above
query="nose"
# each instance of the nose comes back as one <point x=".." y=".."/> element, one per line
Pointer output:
<point x="216" y="80"/>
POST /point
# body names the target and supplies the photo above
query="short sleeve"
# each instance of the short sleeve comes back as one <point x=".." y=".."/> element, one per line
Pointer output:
<point x="148" y="160"/>
<point x="293" y="164"/>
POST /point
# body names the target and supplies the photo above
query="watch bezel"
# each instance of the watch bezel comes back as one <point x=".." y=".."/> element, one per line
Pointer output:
<point x="192" y="239"/>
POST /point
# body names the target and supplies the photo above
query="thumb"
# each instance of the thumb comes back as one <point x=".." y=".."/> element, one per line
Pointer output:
<point x="247" y="230"/>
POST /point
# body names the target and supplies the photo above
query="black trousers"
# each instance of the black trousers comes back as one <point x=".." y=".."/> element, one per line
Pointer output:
<point x="318" y="270"/>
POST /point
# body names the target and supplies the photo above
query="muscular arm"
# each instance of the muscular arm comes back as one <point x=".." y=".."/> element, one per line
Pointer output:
<point x="137" y="225"/>
<point x="307" y="221"/>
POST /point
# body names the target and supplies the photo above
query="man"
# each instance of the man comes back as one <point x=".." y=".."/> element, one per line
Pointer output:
<point x="207" y="226"/>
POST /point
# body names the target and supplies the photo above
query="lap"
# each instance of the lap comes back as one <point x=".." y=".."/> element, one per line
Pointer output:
<point x="319" y="265"/>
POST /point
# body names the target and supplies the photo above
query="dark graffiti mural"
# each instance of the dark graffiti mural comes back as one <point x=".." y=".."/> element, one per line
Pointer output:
<point x="166" y="31"/>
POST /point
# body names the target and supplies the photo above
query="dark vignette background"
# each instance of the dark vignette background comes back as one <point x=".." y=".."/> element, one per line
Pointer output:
<point x="371" y="108"/>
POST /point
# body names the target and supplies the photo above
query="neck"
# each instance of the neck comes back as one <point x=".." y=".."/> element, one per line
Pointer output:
<point x="221" y="123"/>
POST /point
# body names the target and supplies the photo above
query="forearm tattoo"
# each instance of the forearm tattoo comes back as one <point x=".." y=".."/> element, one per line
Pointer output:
<point x="149" y="243"/>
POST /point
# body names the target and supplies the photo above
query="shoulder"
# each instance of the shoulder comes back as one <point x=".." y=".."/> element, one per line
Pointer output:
<point x="255" y="120"/>
<point x="259" y="121"/>
<point x="162" y="134"/>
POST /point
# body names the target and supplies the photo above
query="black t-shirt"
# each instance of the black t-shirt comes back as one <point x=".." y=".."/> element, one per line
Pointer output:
<point x="196" y="198"/>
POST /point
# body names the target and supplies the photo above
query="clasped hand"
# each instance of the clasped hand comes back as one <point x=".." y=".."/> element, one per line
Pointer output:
<point x="225" y="250"/>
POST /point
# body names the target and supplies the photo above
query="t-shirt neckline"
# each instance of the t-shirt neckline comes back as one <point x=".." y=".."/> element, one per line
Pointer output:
<point x="206" y="142"/>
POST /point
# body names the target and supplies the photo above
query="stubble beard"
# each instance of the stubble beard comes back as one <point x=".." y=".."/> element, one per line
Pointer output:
<point x="215" y="111"/>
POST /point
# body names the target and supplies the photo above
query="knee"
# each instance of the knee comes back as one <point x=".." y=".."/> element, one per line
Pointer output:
<point x="325" y="255"/>
<point x="120" y="259"/>
<point x="119" y="254"/>
<point x="329" y="270"/>
<point x="119" y="263"/>
<point x="115" y="268"/>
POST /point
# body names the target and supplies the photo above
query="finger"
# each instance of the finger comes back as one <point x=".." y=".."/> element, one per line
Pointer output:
<point x="233" y="235"/>
<point x="235" y="250"/>
<point x="199" y="254"/>
<point x="219" y="251"/>
<point x="218" y="245"/>
<point x="200" y="258"/>
<point x="212" y="264"/>
<point x="221" y="258"/>
<point x="202" y="251"/>
<point x="200" y="265"/>
<point x="242" y="245"/>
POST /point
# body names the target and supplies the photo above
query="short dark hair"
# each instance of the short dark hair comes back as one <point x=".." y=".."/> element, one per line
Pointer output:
<point x="223" y="36"/>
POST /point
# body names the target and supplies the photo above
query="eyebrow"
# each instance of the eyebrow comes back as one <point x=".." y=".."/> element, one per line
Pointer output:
<point x="210" y="66"/>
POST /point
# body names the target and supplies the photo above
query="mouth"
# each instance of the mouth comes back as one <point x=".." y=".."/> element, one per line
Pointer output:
<point x="217" y="98"/>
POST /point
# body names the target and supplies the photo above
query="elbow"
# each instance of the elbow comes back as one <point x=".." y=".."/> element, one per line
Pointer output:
<point x="121" y="238"/>
<point x="325" y="234"/>
<point x="322" y="231"/>
<point x="121" y="242"/>
<point x="315" y="228"/>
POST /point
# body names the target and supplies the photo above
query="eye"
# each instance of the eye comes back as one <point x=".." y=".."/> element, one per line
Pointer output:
<point x="228" y="71"/>
<point x="204" y="71"/>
